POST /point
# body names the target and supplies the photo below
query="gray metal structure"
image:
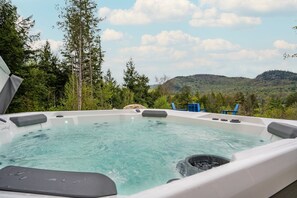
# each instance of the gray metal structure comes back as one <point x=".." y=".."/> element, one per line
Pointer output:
<point x="9" y="85"/>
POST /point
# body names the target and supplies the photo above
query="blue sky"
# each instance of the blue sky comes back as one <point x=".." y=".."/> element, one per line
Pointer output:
<point x="185" y="37"/>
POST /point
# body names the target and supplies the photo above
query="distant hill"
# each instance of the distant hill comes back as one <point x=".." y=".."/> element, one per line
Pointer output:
<point x="270" y="82"/>
<point x="277" y="75"/>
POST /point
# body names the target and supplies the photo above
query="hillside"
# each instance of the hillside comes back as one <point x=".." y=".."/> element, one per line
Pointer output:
<point x="270" y="82"/>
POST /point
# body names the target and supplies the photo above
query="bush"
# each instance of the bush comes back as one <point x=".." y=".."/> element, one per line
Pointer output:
<point x="162" y="103"/>
<point x="291" y="112"/>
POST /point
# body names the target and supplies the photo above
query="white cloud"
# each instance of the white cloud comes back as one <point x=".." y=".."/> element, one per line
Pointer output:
<point x="55" y="45"/>
<point x="213" y="18"/>
<point x="103" y="12"/>
<point x="164" y="9"/>
<point x="281" y="44"/>
<point x="178" y="51"/>
<point x="111" y="35"/>
<point x="144" y="12"/>
<point x="197" y="62"/>
<point x="166" y="38"/>
<point x="218" y="44"/>
<point x="180" y="39"/>
<point x="210" y="13"/>
<point x="167" y="45"/>
<point x="262" y="6"/>
<point x="248" y="55"/>
<point x="149" y="51"/>
<point x="157" y="55"/>
<point x="125" y="17"/>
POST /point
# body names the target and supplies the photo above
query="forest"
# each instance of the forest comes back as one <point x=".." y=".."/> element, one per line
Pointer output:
<point x="75" y="80"/>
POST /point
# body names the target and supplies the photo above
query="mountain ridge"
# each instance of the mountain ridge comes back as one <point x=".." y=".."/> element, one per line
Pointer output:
<point x="272" y="81"/>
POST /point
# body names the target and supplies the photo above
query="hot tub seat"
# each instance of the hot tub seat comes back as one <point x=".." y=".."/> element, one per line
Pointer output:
<point x="282" y="130"/>
<point x="21" y="121"/>
<point x="154" y="113"/>
<point x="58" y="183"/>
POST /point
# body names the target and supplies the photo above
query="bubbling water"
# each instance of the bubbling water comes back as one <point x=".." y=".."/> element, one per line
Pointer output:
<point x="137" y="154"/>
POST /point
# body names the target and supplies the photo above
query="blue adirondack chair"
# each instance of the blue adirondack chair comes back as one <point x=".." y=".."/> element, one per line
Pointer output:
<point x="174" y="108"/>
<point x="234" y="112"/>
<point x="195" y="107"/>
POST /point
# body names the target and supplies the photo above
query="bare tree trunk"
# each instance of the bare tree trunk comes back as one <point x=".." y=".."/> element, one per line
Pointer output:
<point x="73" y="81"/>
<point x="80" y="63"/>
<point x="91" y="74"/>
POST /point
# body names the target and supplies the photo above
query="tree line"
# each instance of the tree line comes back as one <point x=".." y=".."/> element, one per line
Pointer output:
<point x="250" y="103"/>
<point x="75" y="80"/>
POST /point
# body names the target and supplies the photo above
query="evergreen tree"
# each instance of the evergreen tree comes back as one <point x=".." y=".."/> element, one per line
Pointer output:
<point x="250" y="104"/>
<point x="111" y="90"/>
<point x="291" y="99"/>
<point x="15" y="37"/>
<point x="12" y="44"/>
<point x="183" y="98"/>
<point x="137" y="84"/>
<point x="15" y="50"/>
<point x="130" y="75"/>
<point x="82" y="44"/>
<point x="162" y="103"/>
<point x="56" y="75"/>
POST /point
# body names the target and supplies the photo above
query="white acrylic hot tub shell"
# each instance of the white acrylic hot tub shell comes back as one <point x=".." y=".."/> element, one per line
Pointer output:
<point x="258" y="172"/>
<point x="258" y="175"/>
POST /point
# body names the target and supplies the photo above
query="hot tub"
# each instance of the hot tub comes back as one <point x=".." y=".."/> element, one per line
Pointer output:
<point x="139" y="150"/>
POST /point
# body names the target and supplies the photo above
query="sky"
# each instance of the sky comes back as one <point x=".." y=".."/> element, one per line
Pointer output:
<point x="184" y="37"/>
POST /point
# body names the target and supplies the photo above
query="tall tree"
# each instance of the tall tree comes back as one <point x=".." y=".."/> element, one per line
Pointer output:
<point x="56" y="75"/>
<point x="137" y="84"/>
<point x="82" y="42"/>
<point x="130" y="75"/>
<point x="15" y="37"/>
<point x="15" y="48"/>
<point x="161" y="89"/>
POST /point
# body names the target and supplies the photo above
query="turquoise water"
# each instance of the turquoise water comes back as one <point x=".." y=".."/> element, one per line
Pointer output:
<point x="137" y="154"/>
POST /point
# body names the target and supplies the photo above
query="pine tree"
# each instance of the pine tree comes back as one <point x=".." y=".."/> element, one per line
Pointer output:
<point x="130" y="75"/>
<point x="137" y="84"/>
<point x="82" y="43"/>
<point x="56" y="75"/>
<point x="15" y="37"/>
<point x="15" y="50"/>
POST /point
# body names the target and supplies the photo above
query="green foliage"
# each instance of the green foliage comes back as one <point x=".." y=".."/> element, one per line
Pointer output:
<point x="70" y="101"/>
<point x="182" y="98"/>
<point x="291" y="112"/>
<point x="278" y="83"/>
<point x="291" y="99"/>
<point x="34" y="100"/>
<point x="14" y="48"/>
<point x="213" y="102"/>
<point x="12" y="44"/>
<point x="82" y="45"/>
<point x="78" y="81"/>
<point x="137" y="84"/>
<point x="250" y="104"/>
<point x="127" y="97"/>
<point x="56" y="75"/>
<point x="15" y="37"/>
<point x="88" y="102"/>
<point x="162" y="103"/>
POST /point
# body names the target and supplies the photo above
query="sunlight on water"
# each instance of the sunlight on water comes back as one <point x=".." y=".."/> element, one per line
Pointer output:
<point x="137" y="155"/>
